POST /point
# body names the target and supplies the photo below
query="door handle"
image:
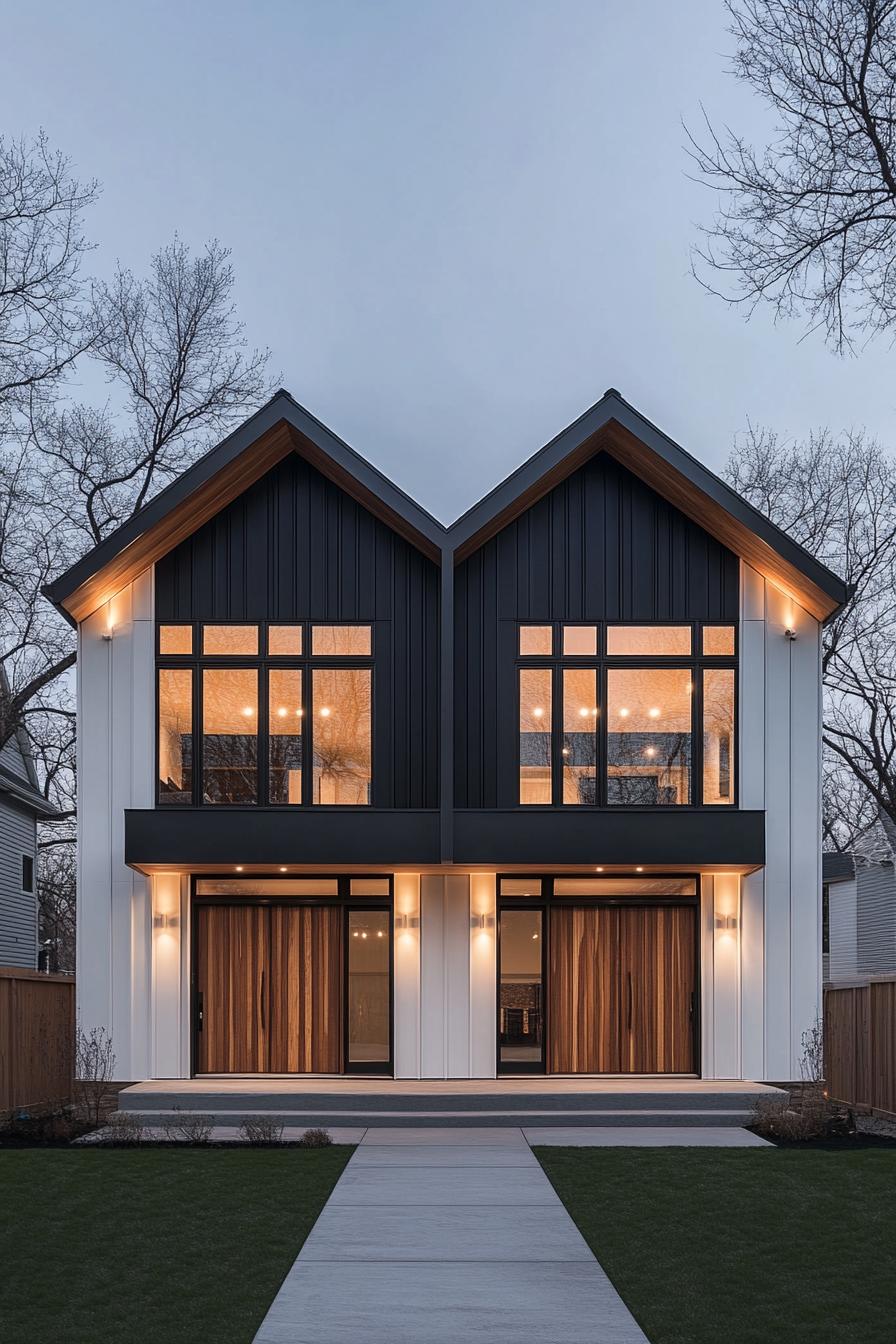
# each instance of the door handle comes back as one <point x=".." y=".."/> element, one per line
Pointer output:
<point x="691" y="1012"/>
<point x="629" y="1000"/>
<point x="261" y="1004"/>
<point x="199" y="1011"/>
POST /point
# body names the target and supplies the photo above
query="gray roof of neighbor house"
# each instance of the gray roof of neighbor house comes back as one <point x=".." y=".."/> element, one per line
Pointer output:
<point x="18" y="777"/>
<point x="283" y="426"/>
<point x="837" y="867"/>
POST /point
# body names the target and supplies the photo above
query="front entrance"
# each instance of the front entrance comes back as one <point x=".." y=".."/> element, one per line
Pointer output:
<point x="284" y="986"/>
<point x="598" y="987"/>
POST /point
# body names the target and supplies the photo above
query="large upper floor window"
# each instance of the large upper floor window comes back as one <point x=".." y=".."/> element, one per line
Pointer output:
<point x="260" y="713"/>
<point x="626" y="715"/>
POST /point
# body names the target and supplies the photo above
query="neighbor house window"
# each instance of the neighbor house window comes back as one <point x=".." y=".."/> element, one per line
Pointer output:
<point x="284" y="714"/>
<point x="27" y="872"/>
<point x="627" y="716"/>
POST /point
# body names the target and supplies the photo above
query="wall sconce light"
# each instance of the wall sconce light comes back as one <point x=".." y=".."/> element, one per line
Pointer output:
<point x="165" y="921"/>
<point x="482" y="922"/>
<point x="790" y="634"/>
<point x="107" y="636"/>
<point x="406" y="922"/>
<point x="727" y="922"/>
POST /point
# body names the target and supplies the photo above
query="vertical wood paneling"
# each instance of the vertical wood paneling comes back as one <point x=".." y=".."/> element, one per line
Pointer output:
<point x="296" y="547"/>
<point x="271" y="981"/>
<point x="37" y="1033"/>
<point x="600" y="546"/>
<point x="231" y="962"/>
<point x="620" y="988"/>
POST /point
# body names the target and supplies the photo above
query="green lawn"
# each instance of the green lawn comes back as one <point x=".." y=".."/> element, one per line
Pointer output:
<point x="154" y="1245"/>
<point x="738" y="1245"/>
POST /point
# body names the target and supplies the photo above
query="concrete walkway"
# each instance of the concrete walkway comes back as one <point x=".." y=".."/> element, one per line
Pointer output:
<point x="435" y="1236"/>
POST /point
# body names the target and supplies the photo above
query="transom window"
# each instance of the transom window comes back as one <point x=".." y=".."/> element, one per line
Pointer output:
<point x="278" y="715"/>
<point x="627" y="715"/>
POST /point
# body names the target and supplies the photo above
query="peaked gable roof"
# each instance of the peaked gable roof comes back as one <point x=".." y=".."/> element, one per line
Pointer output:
<point x="614" y="427"/>
<point x="283" y="426"/>
<point x="280" y="427"/>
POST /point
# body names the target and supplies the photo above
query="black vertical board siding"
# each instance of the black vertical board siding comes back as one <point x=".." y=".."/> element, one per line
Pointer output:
<point x="601" y="546"/>
<point x="295" y="547"/>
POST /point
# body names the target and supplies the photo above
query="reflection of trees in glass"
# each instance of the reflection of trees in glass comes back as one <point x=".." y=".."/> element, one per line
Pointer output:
<point x="175" y="735"/>
<point x="341" y="735"/>
<point x="230" y="735"/>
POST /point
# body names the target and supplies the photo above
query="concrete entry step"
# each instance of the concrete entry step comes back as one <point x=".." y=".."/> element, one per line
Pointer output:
<point x="527" y="1102"/>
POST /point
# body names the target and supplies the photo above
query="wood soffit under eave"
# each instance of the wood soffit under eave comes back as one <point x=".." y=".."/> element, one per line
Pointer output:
<point x="625" y="448"/>
<point x="214" y="495"/>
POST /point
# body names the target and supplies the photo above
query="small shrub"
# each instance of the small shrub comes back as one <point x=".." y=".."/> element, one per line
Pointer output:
<point x="261" y="1131"/>
<point x="51" y="1127"/>
<point x="189" y="1127"/>
<point x="94" y="1071"/>
<point x="123" y="1128"/>
<point x="775" y="1118"/>
<point x="315" y="1138"/>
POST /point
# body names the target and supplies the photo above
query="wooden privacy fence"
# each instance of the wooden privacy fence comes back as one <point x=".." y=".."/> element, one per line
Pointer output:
<point x="860" y="1044"/>
<point x="37" y="1037"/>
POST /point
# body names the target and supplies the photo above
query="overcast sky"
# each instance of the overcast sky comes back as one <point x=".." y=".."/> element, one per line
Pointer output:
<point x="454" y="222"/>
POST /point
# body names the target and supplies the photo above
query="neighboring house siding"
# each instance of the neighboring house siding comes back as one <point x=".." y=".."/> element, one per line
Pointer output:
<point x="296" y="547"/>
<point x="875" y="929"/>
<point x="18" y="908"/>
<point x="11" y="758"/>
<point x="841" y="962"/>
<point x="601" y="546"/>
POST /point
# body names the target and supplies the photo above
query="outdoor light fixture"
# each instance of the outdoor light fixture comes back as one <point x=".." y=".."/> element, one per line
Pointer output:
<point x="481" y="922"/>
<point x="165" y="921"/>
<point x="727" y="922"/>
<point x="406" y="921"/>
<point x="790" y="634"/>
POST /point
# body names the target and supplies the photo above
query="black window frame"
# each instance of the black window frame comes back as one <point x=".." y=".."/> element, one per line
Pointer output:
<point x="263" y="663"/>
<point x="695" y="662"/>
<point x="28" y="873"/>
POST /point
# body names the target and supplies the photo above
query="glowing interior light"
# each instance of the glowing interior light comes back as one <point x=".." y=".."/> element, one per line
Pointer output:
<point x="247" y="711"/>
<point x="639" y="870"/>
<point x="650" y="751"/>
<point x="379" y="933"/>
<point x="583" y="712"/>
<point x="598" y="870"/>
<point x="281" y="712"/>
<point x="623" y="713"/>
<point x="654" y="713"/>
<point x="355" y="934"/>
<point x="364" y="935"/>
<point x="300" y="712"/>
<point x="535" y="937"/>
<point x="239" y="868"/>
<point x="565" y="751"/>
<point x="325" y="712"/>
<point x="537" y="712"/>
<point x="283" y="870"/>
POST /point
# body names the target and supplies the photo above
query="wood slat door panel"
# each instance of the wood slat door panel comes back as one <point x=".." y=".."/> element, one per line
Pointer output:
<point x="231" y="966"/>
<point x="620" y="989"/>
<point x="306" y="989"/>
<point x="657" y="970"/>
<point x="583" y="991"/>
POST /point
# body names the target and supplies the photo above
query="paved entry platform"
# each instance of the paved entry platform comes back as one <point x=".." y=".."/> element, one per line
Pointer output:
<point x="435" y="1236"/>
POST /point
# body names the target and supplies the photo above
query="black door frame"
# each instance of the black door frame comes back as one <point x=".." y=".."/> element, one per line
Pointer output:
<point x="347" y="902"/>
<point x="545" y="901"/>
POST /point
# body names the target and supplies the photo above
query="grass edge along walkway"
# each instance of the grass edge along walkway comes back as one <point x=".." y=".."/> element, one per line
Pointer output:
<point x="158" y="1244"/>
<point x="740" y="1245"/>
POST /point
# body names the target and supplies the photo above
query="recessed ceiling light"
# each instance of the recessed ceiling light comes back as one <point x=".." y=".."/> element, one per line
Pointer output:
<point x="283" y="870"/>
<point x="639" y="870"/>
<point x="598" y="870"/>
<point x="239" y="868"/>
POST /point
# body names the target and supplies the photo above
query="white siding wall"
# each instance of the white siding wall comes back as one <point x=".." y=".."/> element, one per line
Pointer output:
<point x="780" y="719"/>
<point x="116" y="708"/>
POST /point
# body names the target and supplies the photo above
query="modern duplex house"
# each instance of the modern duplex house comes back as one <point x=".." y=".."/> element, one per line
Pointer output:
<point x="534" y="793"/>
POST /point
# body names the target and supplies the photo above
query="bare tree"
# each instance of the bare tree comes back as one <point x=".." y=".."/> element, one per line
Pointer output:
<point x="56" y="905"/>
<point x="178" y="363"/>
<point x="807" y="221"/>
<point x="42" y="322"/>
<point x="837" y="497"/>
